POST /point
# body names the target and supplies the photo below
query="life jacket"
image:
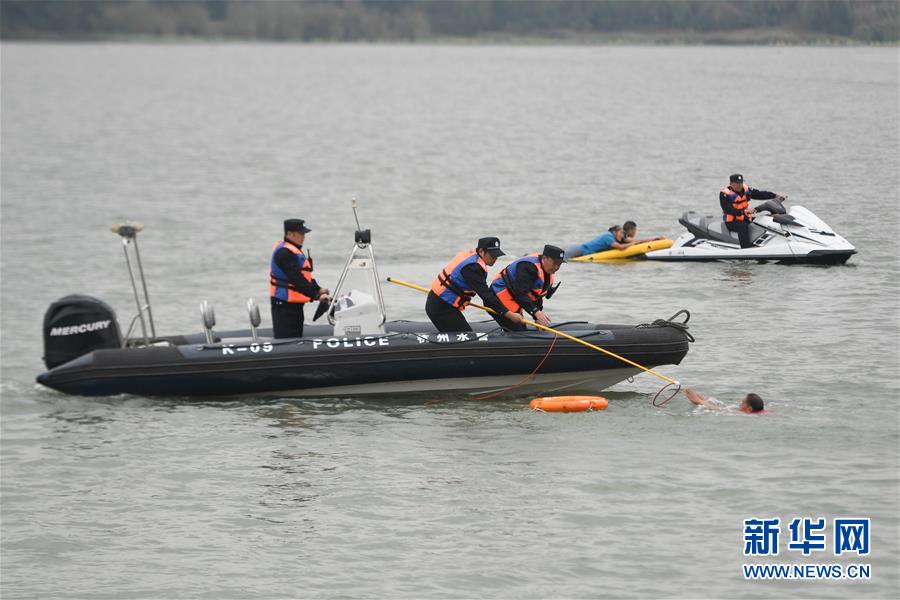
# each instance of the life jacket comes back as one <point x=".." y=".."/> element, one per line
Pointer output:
<point x="504" y="283"/>
<point x="739" y="201"/>
<point x="280" y="287"/>
<point x="450" y="286"/>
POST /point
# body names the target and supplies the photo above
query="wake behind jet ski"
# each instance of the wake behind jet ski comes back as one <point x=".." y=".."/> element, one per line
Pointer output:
<point x="778" y="233"/>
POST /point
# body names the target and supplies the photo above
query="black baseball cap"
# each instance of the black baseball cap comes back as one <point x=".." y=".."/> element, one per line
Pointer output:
<point x="554" y="252"/>
<point x="736" y="178"/>
<point x="491" y="245"/>
<point x="298" y="225"/>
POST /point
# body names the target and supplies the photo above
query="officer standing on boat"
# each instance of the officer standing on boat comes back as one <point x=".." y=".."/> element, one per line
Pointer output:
<point x="524" y="283"/>
<point x="291" y="283"/>
<point x="458" y="282"/>
<point x="735" y="203"/>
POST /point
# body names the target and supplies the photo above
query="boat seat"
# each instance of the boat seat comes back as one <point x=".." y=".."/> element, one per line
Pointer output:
<point x="713" y="228"/>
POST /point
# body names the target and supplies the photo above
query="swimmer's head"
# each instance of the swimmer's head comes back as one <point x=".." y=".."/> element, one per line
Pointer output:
<point x="752" y="404"/>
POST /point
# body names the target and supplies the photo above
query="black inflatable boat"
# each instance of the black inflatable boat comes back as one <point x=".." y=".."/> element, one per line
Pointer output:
<point x="408" y="357"/>
<point x="358" y="352"/>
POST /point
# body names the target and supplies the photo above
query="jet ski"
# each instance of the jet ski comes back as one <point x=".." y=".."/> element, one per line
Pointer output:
<point x="779" y="234"/>
<point x="357" y="352"/>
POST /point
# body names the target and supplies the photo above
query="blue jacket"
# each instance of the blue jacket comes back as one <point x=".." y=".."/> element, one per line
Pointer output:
<point x="602" y="242"/>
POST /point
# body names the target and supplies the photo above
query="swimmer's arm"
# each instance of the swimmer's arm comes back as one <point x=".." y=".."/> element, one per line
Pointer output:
<point x="700" y="400"/>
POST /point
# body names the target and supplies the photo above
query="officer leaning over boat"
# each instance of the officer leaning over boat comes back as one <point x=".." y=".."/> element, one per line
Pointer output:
<point x="291" y="283"/>
<point x="524" y="283"/>
<point x="458" y="282"/>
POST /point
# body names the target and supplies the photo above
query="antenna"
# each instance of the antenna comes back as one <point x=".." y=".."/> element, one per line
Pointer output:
<point x="355" y="216"/>
<point x="128" y="231"/>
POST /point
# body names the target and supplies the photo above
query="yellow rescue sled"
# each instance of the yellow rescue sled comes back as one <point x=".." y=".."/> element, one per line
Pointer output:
<point x="635" y="251"/>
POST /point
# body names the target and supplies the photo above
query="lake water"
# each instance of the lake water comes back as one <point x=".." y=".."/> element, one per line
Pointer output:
<point x="212" y="146"/>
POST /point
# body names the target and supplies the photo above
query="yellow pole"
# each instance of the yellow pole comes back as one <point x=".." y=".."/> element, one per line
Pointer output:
<point x="551" y="330"/>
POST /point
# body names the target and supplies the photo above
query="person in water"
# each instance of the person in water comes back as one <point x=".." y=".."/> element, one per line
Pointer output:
<point x="751" y="404"/>
<point x="630" y="228"/>
<point x="458" y="282"/>
<point x="291" y="283"/>
<point x="611" y="239"/>
<point x="735" y="202"/>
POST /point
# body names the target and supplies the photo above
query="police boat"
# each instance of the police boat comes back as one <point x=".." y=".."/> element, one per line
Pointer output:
<point x="358" y="352"/>
<point x="779" y="234"/>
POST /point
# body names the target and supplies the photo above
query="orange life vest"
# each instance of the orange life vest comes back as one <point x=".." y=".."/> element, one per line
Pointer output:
<point x="503" y="283"/>
<point x="279" y="285"/>
<point x="739" y="201"/>
<point x="450" y="286"/>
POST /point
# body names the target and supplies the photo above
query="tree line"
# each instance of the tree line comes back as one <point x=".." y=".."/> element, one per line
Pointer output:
<point x="411" y="20"/>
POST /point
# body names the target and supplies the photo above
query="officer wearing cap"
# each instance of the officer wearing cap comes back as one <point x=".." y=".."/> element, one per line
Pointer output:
<point x="291" y="283"/>
<point x="735" y="203"/>
<point x="458" y="282"/>
<point x="524" y="283"/>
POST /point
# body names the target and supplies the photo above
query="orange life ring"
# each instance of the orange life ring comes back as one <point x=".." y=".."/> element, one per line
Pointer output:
<point x="569" y="403"/>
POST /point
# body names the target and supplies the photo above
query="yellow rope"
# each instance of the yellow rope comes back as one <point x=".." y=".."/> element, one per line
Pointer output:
<point x="551" y="330"/>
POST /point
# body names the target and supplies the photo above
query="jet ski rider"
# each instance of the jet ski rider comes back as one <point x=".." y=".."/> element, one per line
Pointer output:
<point x="735" y="202"/>
<point x="291" y="283"/>
<point x="458" y="282"/>
<point x="524" y="283"/>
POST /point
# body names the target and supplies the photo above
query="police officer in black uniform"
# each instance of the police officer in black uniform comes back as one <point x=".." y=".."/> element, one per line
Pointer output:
<point x="291" y="283"/>
<point x="516" y="291"/>
<point x="455" y="286"/>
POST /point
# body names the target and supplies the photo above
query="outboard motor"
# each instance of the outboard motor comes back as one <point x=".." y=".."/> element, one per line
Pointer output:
<point x="76" y="325"/>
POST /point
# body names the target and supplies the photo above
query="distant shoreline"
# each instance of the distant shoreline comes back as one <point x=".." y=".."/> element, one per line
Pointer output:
<point x="745" y="37"/>
<point x="468" y="22"/>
